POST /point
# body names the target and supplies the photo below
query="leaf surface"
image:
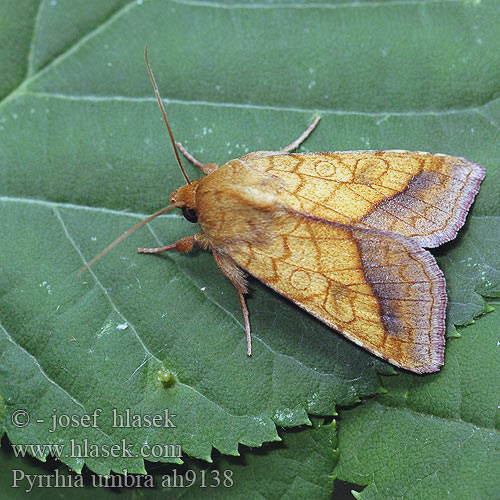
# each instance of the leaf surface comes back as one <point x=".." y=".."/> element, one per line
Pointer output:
<point x="84" y="155"/>
<point x="297" y="467"/>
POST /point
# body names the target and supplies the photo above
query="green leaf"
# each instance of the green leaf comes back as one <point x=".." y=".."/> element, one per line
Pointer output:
<point x="431" y="437"/>
<point x="298" y="467"/>
<point x="84" y="155"/>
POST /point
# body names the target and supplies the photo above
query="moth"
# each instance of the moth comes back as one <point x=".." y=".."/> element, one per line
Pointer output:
<point x="340" y="234"/>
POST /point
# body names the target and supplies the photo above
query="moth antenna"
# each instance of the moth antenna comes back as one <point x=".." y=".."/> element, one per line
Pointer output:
<point x="164" y="114"/>
<point x="126" y="235"/>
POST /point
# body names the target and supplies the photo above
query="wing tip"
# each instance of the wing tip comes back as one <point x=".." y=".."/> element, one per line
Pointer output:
<point x="464" y="203"/>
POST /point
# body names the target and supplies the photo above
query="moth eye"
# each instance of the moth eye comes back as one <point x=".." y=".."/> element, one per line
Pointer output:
<point x="190" y="214"/>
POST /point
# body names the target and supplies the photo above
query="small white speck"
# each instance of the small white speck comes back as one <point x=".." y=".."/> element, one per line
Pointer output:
<point x="93" y="238"/>
<point x="14" y="115"/>
<point x="45" y="285"/>
<point x="122" y="326"/>
<point x="203" y="288"/>
<point x="311" y="84"/>
<point x="110" y="64"/>
<point x="311" y="71"/>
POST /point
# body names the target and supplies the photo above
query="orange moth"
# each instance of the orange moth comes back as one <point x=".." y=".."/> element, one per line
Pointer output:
<point x="340" y="234"/>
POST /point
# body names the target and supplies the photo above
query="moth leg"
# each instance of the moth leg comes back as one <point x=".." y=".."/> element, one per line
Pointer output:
<point x="183" y="245"/>
<point x="237" y="277"/>
<point x="248" y="333"/>
<point x="295" y="144"/>
<point x="206" y="168"/>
